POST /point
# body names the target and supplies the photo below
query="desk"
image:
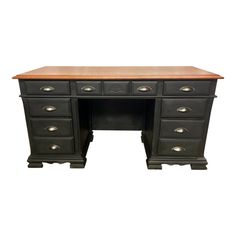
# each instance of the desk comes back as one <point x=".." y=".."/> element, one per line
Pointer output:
<point x="171" y="107"/>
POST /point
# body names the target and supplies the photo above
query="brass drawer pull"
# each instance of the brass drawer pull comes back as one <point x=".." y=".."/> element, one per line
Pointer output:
<point x="54" y="147"/>
<point x="178" y="149"/>
<point x="183" y="109"/>
<point x="88" y="88"/>
<point x="49" y="108"/>
<point x="144" y="89"/>
<point x="187" y="89"/>
<point x="47" y="88"/>
<point x="180" y="130"/>
<point x="52" y="128"/>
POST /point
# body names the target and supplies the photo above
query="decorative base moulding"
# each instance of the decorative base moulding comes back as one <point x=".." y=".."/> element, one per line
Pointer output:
<point x="198" y="163"/>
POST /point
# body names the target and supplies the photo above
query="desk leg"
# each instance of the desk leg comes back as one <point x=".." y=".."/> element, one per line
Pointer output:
<point x="77" y="165"/>
<point x="142" y="137"/>
<point x="198" y="166"/>
<point x="84" y="150"/>
<point x="153" y="166"/>
<point x="150" y="135"/>
<point x="35" y="165"/>
<point x="83" y="133"/>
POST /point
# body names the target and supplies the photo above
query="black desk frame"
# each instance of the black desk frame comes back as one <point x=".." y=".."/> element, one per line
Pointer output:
<point x="122" y="112"/>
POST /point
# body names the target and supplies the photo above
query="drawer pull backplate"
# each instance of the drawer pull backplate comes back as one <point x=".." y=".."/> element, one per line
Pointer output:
<point x="183" y="109"/>
<point x="187" y="89"/>
<point x="178" y="149"/>
<point x="88" y="88"/>
<point x="180" y="130"/>
<point x="49" y="108"/>
<point x="144" y="89"/>
<point x="52" y="128"/>
<point x="54" y="147"/>
<point x="47" y="88"/>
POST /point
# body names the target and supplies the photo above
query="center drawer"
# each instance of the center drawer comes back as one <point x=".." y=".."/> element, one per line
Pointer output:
<point x="183" y="107"/>
<point x="116" y="88"/>
<point x="49" y="106"/>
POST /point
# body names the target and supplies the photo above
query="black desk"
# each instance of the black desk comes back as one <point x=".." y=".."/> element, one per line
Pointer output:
<point x="170" y="105"/>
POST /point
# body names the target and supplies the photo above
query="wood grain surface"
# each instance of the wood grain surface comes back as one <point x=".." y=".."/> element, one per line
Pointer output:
<point x="117" y="73"/>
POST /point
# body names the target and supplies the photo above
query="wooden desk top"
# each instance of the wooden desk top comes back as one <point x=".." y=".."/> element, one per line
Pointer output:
<point x="117" y="73"/>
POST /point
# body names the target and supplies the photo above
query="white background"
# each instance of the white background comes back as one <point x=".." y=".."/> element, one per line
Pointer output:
<point x="115" y="194"/>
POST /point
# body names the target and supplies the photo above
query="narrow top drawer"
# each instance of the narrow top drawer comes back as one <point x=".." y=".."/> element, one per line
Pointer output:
<point x="46" y="87"/>
<point x="116" y="88"/>
<point x="89" y="88"/>
<point x="187" y="88"/>
<point x="144" y="88"/>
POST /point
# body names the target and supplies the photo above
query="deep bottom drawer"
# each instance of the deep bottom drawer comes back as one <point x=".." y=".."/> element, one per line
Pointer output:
<point x="54" y="145"/>
<point x="180" y="147"/>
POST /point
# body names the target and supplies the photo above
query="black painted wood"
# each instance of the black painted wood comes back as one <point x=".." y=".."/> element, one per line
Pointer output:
<point x="89" y="88"/>
<point x="148" y="106"/>
<point x="146" y="88"/>
<point x="44" y="145"/>
<point x="180" y="128"/>
<point x="46" y="87"/>
<point x="116" y="88"/>
<point x="50" y="127"/>
<point x="59" y="107"/>
<point x="195" y="107"/>
<point x="187" y="88"/>
<point x="118" y="114"/>
<point x="148" y="132"/>
<point x="180" y="147"/>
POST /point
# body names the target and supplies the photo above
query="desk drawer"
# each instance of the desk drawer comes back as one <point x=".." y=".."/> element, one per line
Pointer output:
<point x="89" y="88"/>
<point x="141" y="88"/>
<point x="193" y="107"/>
<point x="181" y="128"/>
<point x="47" y="87"/>
<point x="180" y="147"/>
<point x="51" y="127"/>
<point x="187" y="88"/>
<point x="49" y="106"/>
<point x="116" y="88"/>
<point x="54" y="145"/>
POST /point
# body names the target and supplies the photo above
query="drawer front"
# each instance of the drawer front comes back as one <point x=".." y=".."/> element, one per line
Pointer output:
<point x="89" y="88"/>
<point x="181" y="128"/>
<point x="180" y="147"/>
<point x="141" y="88"/>
<point x="54" y="145"/>
<point x="51" y="127"/>
<point x="116" y="88"/>
<point x="47" y="87"/>
<point x="187" y="88"/>
<point x="193" y="107"/>
<point x="49" y="106"/>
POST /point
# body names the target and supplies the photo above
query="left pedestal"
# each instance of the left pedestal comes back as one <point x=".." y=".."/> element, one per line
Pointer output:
<point x="53" y="122"/>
